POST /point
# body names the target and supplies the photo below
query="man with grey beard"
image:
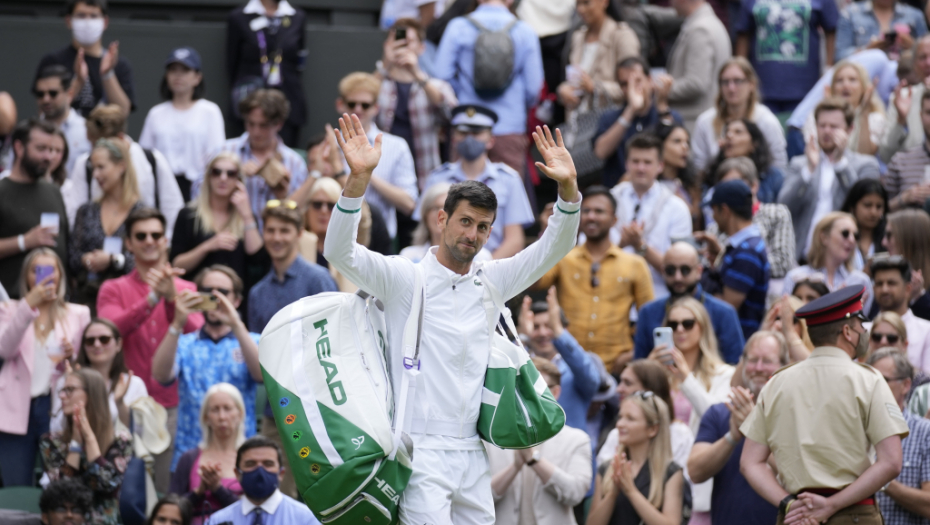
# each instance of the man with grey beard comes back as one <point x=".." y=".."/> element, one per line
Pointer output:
<point x="25" y="198"/>
<point x="719" y="443"/>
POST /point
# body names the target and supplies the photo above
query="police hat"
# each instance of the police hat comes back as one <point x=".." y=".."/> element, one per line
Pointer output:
<point x="471" y="117"/>
<point x="841" y="304"/>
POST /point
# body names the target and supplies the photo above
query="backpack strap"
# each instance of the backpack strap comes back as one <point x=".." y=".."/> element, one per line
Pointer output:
<point x="477" y="24"/>
<point x="413" y="329"/>
<point x="88" y="170"/>
<point x="151" y="158"/>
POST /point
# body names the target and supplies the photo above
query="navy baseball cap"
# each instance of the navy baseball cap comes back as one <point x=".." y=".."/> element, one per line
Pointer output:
<point x="734" y="193"/>
<point x="185" y="55"/>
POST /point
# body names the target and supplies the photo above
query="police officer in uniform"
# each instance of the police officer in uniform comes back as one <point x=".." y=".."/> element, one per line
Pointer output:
<point x="471" y="140"/>
<point x="819" y="418"/>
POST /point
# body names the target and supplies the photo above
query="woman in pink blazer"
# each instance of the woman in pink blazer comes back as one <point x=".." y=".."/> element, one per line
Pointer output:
<point x="37" y="333"/>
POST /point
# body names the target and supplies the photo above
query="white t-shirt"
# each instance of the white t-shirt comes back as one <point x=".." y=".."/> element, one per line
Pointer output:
<point x="135" y="391"/>
<point x="187" y="137"/>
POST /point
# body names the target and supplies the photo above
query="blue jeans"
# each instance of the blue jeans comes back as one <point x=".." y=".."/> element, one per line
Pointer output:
<point x="19" y="452"/>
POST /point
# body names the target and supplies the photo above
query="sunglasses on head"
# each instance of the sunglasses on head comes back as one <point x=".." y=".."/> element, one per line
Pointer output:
<point x="318" y="205"/>
<point x="91" y="340"/>
<point x="52" y="93"/>
<point x="847" y="233"/>
<point x="352" y="104"/>
<point x="646" y="394"/>
<point x="687" y="324"/>
<point x="276" y="203"/>
<point x="231" y="174"/>
<point x="670" y="270"/>
<point x="156" y="236"/>
<point x="891" y="338"/>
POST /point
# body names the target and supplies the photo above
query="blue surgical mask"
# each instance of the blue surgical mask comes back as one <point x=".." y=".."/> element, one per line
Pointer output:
<point x="259" y="483"/>
<point x="471" y="148"/>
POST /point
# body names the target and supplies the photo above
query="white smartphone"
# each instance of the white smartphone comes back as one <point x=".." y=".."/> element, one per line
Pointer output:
<point x="663" y="336"/>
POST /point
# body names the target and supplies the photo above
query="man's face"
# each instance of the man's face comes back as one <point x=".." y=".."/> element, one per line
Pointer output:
<point x="466" y="231"/>
<point x="259" y="457"/>
<point x="762" y="361"/>
<point x="643" y="167"/>
<point x="36" y="157"/>
<point x="734" y="85"/>
<point x="281" y="238"/>
<point x="263" y="133"/>
<point x="890" y="290"/>
<point x="597" y="217"/>
<point x="922" y="58"/>
<point x="899" y="385"/>
<point x="51" y="97"/>
<point x="147" y="241"/>
<point x="541" y="337"/>
<point x="83" y="11"/>
<point x="482" y="135"/>
<point x="634" y="78"/>
<point x="828" y="123"/>
<point x="360" y="103"/>
<point x="64" y="513"/>
<point x="220" y="282"/>
<point x="675" y="265"/>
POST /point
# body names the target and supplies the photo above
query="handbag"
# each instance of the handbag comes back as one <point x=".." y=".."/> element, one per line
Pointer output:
<point x="580" y="130"/>
<point x="517" y="408"/>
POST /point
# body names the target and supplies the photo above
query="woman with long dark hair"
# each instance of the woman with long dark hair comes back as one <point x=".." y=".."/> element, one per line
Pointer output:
<point x="867" y="202"/>
<point x="679" y="173"/>
<point x="170" y="510"/>
<point x="742" y="138"/>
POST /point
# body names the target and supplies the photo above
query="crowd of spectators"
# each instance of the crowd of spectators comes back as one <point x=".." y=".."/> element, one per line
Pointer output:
<point x="731" y="173"/>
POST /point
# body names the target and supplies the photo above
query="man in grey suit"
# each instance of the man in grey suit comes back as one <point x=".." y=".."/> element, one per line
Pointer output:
<point x="818" y="181"/>
<point x="702" y="46"/>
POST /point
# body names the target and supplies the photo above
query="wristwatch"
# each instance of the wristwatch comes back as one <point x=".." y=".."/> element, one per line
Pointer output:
<point x="75" y="447"/>
<point x="533" y="459"/>
<point x="730" y="439"/>
<point x="786" y="503"/>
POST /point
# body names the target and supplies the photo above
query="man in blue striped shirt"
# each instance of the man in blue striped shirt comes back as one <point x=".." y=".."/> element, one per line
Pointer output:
<point x="744" y="274"/>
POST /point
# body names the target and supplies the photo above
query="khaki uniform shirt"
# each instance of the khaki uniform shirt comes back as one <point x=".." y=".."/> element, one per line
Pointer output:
<point x="820" y="418"/>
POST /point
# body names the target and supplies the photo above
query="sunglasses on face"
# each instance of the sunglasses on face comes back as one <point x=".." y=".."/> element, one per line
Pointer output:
<point x="52" y="93"/>
<point x="364" y="105"/>
<point x="224" y="291"/>
<point x="231" y="174"/>
<point x="891" y="338"/>
<point x="141" y="236"/>
<point x="847" y="233"/>
<point x="318" y="205"/>
<point x="670" y="270"/>
<point x="687" y="324"/>
<point x="104" y="340"/>
<point x="595" y="282"/>
<point x="276" y="203"/>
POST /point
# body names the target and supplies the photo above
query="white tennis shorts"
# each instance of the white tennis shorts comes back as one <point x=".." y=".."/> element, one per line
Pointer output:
<point x="448" y="487"/>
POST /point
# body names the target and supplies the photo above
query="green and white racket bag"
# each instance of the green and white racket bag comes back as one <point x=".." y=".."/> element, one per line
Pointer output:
<point x="324" y="359"/>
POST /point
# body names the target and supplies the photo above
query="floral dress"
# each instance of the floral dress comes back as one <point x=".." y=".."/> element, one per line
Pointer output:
<point x="104" y="476"/>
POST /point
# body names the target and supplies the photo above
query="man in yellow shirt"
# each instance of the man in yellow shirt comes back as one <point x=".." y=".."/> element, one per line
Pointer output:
<point x="598" y="283"/>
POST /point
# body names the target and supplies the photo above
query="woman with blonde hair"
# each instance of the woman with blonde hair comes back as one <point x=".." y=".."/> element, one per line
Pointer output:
<point x="218" y="227"/>
<point x="833" y="248"/>
<point x="887" y="329"/>
<point x="851" y="83"/>
<point x="206" y="476"/>
<point x="37" y="333"/>
<point x="89" y="448"/>
<point x="642" y="484"/>
<point x="97" y="252"/>
<point x="738" y="98"/>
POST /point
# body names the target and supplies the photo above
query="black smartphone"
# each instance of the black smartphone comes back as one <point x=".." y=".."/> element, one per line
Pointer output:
<point x="400" y="33"/>
<point x="890" y="37"/>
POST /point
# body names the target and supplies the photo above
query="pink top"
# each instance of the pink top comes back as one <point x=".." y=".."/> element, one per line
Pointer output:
<point x="124" y="301"/>
<point x="209" y="500"/>
<point x="682" y="406"/>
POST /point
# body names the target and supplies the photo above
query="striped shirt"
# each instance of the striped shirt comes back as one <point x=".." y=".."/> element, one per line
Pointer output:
<point x="906" y="170"/>
<point x="915" y="471"/>
<point x="774" y="222"/>
<point x="746" y="270"/>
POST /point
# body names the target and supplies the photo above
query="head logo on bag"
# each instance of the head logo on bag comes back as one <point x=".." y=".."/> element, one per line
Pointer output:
<point x="323" y="350"/>
<point x="304" y="452"/>
<point x="290" y="419"/>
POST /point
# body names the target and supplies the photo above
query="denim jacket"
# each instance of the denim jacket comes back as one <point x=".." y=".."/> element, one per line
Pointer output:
<point x="858" y="26"/>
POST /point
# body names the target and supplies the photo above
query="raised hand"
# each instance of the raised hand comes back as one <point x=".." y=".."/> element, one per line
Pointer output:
<point x="119" y="392"/>
<point x="361" y="156"/>
<point x="812" y="151"/>
<point x="555" y="313"/>
<point x="240" y="199"/>
<point x="527" y="321"/>
<point x="225" y="311"/>
<point x="110" y="58"/>
<point x="902" y="101"/>
<point x="558" y="166"/>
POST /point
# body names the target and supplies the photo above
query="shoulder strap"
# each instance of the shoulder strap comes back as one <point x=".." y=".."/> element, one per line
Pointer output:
<point x="477" y="24"/>
<point x="413" y="328"/>
<point x="87" y="175"/>
<point x="495" y="307"/>
<point x="151" y="158"/>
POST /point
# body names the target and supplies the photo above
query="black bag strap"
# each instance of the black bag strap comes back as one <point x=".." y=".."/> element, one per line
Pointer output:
<point x="151" y="158"/>
<point x="88" y="170"/>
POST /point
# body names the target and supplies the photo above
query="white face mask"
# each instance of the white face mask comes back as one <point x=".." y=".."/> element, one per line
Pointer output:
<point x="87" y="31"/>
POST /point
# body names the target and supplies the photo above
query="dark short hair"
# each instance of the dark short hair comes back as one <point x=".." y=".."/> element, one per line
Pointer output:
<point x="644" y="141"/>
<point x="476" y="193"/>
<point x="258" y="441"/>
<point x="143" y="214"/>
<point x="225" y="270"/>
<point x="23" y="131"/>
<point x="273" y="103"/>
<point x="183" y="505"/>
<point x="166" y="93"/>
<point x="597" y="189"/>
<point x="630" y="62"/>
<point x="542" y="307"/>
<point x="283" y="213"/>
<point x="826" y="334"/>
<point x="66" y="490"/>
<point x="882" y="262"/>
<point x="102" y="4"/>
<point x="55" y="71"/>
<point x="817" y="286"/>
